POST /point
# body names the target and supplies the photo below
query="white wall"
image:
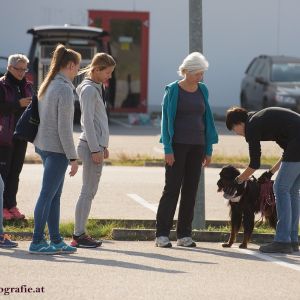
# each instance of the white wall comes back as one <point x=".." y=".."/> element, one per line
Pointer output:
<point x="234" y="32"/>
<point x="168" y="34"/>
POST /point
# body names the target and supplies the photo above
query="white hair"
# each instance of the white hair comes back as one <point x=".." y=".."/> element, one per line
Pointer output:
<point x="15" y="58"/>
<point x="193" y="62"/>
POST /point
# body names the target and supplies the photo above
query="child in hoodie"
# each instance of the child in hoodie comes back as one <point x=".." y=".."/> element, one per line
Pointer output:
<point x="92" y="147"/>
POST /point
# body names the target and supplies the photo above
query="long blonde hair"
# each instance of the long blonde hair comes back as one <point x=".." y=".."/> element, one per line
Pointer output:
<point x="61" y="57"/>
<point x="101" y="61"/>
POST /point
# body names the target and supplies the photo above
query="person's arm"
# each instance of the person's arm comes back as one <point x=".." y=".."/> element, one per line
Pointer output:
<point x="65" y="122"/>
<point x="245" y="175"/>
<point x="88" y="100"/>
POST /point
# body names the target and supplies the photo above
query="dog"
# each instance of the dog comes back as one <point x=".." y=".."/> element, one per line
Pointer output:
<point x="244" y="204"/>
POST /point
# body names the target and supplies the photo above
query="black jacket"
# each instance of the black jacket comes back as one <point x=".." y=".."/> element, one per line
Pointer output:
<point x="273" y="124"/>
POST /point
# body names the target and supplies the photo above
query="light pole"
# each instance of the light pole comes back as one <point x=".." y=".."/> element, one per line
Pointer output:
<point x="196" y="44"/>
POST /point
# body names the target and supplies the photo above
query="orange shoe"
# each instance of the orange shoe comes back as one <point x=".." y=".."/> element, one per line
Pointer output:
<point x="16" y="213"/>
<point x="6" y="214"/>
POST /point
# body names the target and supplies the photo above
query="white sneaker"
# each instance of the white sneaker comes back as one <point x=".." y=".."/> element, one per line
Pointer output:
<point x="163" y="241"/>
<point x="186" y="242"/>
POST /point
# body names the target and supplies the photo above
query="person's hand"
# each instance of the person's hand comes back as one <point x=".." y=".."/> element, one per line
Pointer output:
<point x="98" y="157"/>
<point x="106" y="153"/>
<point x="24" y="102"/>
<point x="265" y="176"/>
<point x="232" y="188"/>
<point x="74" y="168"/>
<point x="169" y="159"/>
<point x="206" y="161"/>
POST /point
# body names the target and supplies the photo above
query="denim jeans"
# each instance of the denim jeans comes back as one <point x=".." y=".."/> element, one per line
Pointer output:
<point x="47" y="209"/>
<point x="1" y="204"/>
<point x="287" y="194"/>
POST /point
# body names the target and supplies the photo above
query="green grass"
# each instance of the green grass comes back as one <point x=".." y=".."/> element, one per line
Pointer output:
<point x="94" y="228"/>
<point x="103" y="229"/>
<point x="123" y="159"/>
<point x="259" y="228"/>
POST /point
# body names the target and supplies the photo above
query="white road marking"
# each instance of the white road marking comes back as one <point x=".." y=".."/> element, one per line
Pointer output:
<point x="270" y="258"/>
<point x="143" y="202"/>
<point x="159" y="150"/>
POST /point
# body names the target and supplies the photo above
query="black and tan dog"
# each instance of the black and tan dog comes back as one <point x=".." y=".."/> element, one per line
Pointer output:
<point x="244" y="204"/>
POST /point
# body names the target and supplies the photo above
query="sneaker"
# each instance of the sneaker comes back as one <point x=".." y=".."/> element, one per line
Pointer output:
<point x="186" y="242"/>
<point x="42" y="248"/>
<point x="276" y="247"/>
<point x="85" y="241"/>
<point x="6" y="214"/>
<point x="16" y="213"/>
<point x="6" y="242"/>
<point x="163" y="241"/>
<point x="295" y="246"/>
<point x="63" y="248"/>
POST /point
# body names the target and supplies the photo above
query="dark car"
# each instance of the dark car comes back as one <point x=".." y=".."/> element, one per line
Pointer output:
<point x="3" y="65"/>
<point x="83" y="39"/>
<point x="271" y="81"/>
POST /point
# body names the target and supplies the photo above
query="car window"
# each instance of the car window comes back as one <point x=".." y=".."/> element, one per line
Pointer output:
<point x="252" y="67"/>
<point x="259" y="68"/>
<point x="286" y="72"/>
<point x="264" y="71"/>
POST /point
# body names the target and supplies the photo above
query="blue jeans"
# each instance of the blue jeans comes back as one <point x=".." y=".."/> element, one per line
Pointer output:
<point x="47" y="209"/>
<point x="1" y="204"/>
<point x="287" y="194"/>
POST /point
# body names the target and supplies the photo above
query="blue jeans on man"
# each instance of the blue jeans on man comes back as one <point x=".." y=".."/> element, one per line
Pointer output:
<point x="47" y="208"/>
<point x="287" y="194"/>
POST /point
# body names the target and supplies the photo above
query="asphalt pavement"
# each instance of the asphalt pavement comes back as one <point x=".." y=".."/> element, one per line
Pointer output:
<point x="138" y="270"/>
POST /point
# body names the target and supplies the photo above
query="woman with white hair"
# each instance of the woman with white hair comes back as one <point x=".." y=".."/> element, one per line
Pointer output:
<point x="187" y="133"/>
<point x="15" y="96"/>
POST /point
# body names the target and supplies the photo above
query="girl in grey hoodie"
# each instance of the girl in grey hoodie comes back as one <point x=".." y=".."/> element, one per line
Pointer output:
<point x="92" y="147"/>
<point x="54" y="143"/>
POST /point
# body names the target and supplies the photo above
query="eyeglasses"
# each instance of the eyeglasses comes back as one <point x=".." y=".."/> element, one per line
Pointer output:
<point x="21" y="69"/>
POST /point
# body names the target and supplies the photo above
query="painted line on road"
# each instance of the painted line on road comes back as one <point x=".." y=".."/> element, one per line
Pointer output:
<point x="270" y="259"/>
<point x="143" y="202"/>
<point x="120" y="123"/>
<point x="159" y="150"/>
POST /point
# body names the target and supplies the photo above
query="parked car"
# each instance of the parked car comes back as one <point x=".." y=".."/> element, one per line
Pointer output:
<point x="3" y="65"/>
<point x="271" y="81"/>
<point x="83" y="39"/>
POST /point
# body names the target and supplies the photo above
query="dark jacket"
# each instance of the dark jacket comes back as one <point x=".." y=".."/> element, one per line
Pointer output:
<point x="273" y="124"/>
<point x="11" y="91"/>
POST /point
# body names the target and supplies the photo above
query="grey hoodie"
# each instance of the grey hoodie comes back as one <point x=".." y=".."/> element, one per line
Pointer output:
<point x="94" y="121"/>
<point x="56" y="110"/>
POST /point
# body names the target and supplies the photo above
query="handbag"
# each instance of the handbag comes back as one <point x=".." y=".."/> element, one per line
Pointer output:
<point x="28" y="124"/>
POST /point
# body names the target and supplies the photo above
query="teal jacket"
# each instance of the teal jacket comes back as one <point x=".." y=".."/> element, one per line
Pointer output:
<point x="169" y="108"/>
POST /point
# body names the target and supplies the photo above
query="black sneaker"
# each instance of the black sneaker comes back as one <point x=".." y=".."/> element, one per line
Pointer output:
<point x="85" y="241"/>
<point x="276" y="247"/>
<point x="295" y="246"/>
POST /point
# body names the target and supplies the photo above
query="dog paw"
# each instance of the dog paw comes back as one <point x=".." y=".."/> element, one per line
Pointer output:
<point x="226" y="245"/>
<point x="243" y="246"/>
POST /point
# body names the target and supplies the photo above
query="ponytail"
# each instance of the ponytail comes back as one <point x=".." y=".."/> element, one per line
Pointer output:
<point x="101" y="61"/>
<point x="61" y="57"/>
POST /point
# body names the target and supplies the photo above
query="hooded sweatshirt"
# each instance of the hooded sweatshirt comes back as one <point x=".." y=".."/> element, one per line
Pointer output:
<point x="94" y="121"/>
<point x="56" y="110"/>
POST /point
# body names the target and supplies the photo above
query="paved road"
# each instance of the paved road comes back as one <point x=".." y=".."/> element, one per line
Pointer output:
<point x="138" y="270"/>
<point x="124" y="193"/>
<point x="144" y="140"/>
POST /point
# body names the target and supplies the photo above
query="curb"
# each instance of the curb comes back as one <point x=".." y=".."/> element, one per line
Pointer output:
<point x="121" y="234"/>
